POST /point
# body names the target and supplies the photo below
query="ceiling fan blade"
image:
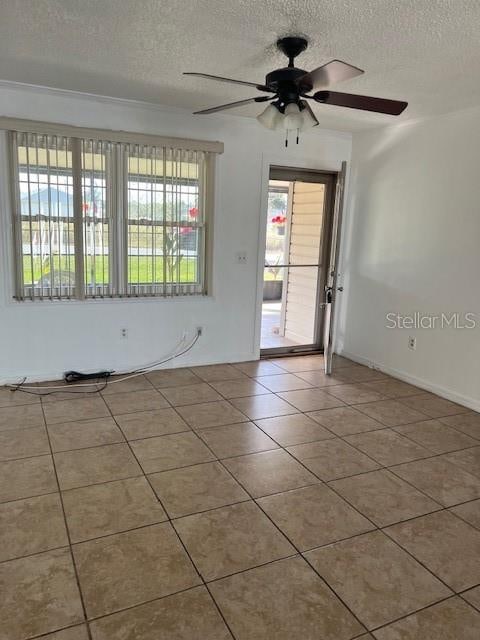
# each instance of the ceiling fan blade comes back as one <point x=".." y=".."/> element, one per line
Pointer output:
<point x="366" y="103"/>
<point x="232" y="105"/>
<point x="330" y="73"/>
<point x="310" y="111"/>
<point x="259" y="86"/>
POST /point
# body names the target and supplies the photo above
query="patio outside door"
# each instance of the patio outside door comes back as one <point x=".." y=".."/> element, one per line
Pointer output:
<point x="297" y="255"/>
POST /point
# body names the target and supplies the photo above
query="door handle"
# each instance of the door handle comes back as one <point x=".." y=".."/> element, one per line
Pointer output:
<point x="329" y="292"/>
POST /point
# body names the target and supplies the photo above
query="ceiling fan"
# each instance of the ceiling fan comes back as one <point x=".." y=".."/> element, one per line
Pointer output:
<point x="289" y="88"/>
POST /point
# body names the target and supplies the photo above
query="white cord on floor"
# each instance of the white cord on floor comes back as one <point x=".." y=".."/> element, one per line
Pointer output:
<point x="138" y="372"/>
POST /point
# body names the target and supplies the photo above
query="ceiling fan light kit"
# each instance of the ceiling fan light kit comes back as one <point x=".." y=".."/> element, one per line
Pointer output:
<point x="293" y="117"/>
<point x="291" y="87"/>
<point x="271" y="118"/>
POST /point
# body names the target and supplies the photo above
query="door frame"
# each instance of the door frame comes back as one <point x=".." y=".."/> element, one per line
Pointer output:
<point x="332" y="289"/>
<point x="301" y="174"/>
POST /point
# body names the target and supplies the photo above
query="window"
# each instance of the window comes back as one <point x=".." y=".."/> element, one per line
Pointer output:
<point x="103" y="218"/>
<point x="165" y="221"/>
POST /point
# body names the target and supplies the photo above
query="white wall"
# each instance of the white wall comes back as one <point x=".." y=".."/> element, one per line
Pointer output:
<point x="41" y="340"/>
<point x="412" y="243"/>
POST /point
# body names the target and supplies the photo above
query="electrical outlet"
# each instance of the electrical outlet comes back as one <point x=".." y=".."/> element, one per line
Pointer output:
<point x="124" y="333"/>
<point x="412" y="343"/>
<point x="241" y="257"/>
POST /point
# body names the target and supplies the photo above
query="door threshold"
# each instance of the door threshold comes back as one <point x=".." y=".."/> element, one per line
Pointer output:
<point x="291" y="354"/>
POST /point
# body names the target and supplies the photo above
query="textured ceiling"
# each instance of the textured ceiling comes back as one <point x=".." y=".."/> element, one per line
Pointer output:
<point x="424" y="51"/>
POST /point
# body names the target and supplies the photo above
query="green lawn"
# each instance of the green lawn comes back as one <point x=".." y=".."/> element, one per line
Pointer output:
<point x="268" y="275"/>
<point x="140" y="270"/>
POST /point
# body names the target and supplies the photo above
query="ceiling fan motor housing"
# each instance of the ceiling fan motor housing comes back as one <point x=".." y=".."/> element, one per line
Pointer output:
<point x="285" y="83"/>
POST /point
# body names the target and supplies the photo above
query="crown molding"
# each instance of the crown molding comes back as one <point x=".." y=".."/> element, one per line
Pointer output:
<point x="53" y="92"/>
<point x="81" y="95"/>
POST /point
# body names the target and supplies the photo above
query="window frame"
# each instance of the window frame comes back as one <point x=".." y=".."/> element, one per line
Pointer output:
<point x="165" y="288"/>
<point x="116" y="204"/>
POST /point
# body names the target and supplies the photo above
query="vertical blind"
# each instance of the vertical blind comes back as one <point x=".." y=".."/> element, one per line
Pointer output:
<point x="165" y="220"/>
<point x="99" y="218"/>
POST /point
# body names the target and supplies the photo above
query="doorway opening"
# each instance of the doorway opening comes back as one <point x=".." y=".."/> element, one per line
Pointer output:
<point x="297" y="249"/>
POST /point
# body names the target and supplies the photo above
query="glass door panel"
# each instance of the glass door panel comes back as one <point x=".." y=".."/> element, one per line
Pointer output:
<point x="294" y="268"/>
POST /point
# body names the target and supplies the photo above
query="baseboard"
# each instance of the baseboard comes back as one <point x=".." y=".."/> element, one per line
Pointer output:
<point x="448" y="394"/>
<point x="190" y="362"/>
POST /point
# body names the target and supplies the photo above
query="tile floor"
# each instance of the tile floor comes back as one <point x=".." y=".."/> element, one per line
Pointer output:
<point x="250" y="501"/>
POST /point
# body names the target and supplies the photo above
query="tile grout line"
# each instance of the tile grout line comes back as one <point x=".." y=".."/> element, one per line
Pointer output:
<point x="462" y="596"/>
<point x="37" y="495"/>
<point x="461" y="504"/>
<point x="231" y="504"/>
<point x="375" y="526"/>
<point x="381" y="529"/>
<point x="334" y="436"/>
<point x="198" y="432"/>
<point x="124" y="609"/>
<point x="254" y="500"/>
<point x="237" y="502"/>
<point x="279" y="530"/>
<point x="408" y="615"/>
<point x="177" y="535"/>
<point x="289" y="541"/>
<point x="289" y="557"/>
<point x="343" y="438"/>
<point x="67" y="530"/>
<point x="324" y="389"/>
<point x="49" y="633"/>
<point x="380" y="468"/>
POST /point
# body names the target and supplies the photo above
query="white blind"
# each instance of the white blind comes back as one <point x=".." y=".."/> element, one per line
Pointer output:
<point x="96" y="218"/>
<point x="126" y="137"/>
<point x="165" y="220"/>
